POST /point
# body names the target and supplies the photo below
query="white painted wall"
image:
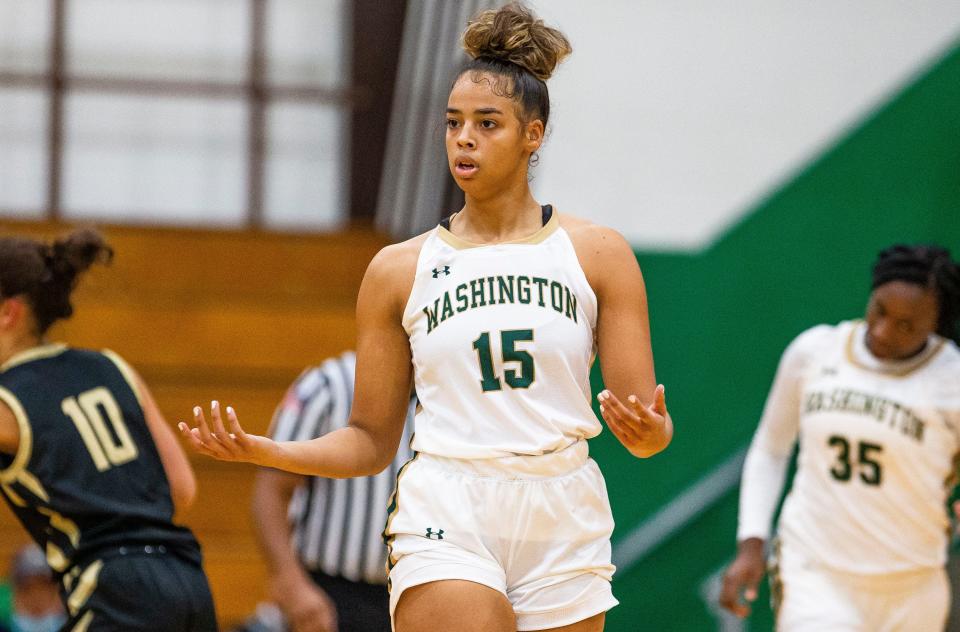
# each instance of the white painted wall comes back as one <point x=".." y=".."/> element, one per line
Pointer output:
<point x="672" y="118"/>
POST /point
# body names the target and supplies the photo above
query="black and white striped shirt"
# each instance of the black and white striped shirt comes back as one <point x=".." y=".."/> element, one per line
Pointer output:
<point x="337" y="523"/>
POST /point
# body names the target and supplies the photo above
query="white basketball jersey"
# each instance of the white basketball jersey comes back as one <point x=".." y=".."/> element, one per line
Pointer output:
<point x="877" y="447"/>
<point x="502" y="338"/>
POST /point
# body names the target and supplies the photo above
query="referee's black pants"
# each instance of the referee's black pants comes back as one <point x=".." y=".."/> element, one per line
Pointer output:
<point x="361" y="607"/>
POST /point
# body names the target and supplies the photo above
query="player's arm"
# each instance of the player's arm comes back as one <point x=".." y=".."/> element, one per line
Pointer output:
<point x="367" y="445"/>
<point x="9" y="430"/>
<point x="304" y="604"/>
<point x="180" y="476"/>
<point x="179" y="472"/>
<point x="633" y="405"/>
<point x="761" y="484"/>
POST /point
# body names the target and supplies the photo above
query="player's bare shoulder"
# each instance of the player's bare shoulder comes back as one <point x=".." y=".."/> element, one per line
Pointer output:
<point x="601" y="250"/>
<point x="392" y="270"/>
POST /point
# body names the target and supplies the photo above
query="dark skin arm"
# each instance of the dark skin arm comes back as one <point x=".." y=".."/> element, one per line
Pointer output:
<point x="180" y="476"/>
<point x="633" y="404"/>
<point x="743" y="576"/>
<point x="9" y="430"/>
<point x="384" y="374"/>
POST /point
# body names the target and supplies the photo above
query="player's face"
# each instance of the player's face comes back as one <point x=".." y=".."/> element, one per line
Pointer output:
<point x="900" y="318"/>
<point x="487" y="145"/>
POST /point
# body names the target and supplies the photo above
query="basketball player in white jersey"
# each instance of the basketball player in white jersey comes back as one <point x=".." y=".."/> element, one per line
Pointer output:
<point x="501" y="522"/>
<point x="863" y="532"/>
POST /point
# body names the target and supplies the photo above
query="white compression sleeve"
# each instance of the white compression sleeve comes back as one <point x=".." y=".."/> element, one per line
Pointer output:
<point x="760" y="488"/>
<point x="765" y="468"/>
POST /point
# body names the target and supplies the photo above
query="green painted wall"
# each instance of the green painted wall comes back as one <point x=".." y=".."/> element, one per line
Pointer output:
<point x="720" y="320"/>
<point x="5" y="604"/>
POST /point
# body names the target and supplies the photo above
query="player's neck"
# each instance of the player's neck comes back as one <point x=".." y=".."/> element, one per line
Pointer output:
<point x="503" y="217"/>
<point x="17" y="344"/>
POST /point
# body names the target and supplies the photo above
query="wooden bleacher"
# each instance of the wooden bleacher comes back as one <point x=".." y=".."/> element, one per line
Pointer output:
<point x="225" y="315"/>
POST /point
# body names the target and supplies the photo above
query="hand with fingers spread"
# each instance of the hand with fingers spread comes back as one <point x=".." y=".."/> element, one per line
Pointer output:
<point x="740" y="581"/>
<point x="643" y="430"/>
<point x="216" y="441"/>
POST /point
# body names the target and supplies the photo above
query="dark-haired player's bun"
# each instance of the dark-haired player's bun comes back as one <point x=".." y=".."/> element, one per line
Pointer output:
<point x="514" y="34"/>
<point x="66" y="259"/>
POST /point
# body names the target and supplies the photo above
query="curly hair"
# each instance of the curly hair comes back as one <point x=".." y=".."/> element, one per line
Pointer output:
<point x="46" y="274"/>
<point x="521" y="52"/>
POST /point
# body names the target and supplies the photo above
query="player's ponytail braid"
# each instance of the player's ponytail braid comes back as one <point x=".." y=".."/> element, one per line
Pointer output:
<point x="930" y="267"/>
<point x="46" y="274"/>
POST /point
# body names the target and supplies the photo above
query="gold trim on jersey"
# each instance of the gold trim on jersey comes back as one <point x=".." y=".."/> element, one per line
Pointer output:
<point x="394" y="503"/>
<point x="56" y="558"/>
<point x="62" y="524"/>
<point x="953" y="478"/>
<point x="83" y="623"/>
<point x="25" y="444"/>
<point x="85" y="587"/>
<point x="34" y="353"/>
<point x="893" y="371"/>
<point x="462" y="244"/>
<point x="776" y="579"/>
<point x="69" y="578"/>
<point x="30" y="481"/>
<point x="127" y="373"/>
<point x="13" y="496"/>
<point x="17" y="472"/>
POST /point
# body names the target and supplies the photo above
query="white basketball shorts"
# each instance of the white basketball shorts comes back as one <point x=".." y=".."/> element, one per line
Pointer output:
<point x="817" y="599"/>
<point x="535" y="528"/>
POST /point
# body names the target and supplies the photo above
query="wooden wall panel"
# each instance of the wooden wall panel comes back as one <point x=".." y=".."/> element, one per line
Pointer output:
<point x="216" y="314"/>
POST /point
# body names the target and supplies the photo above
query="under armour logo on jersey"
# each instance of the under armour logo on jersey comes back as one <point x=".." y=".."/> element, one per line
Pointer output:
<point x="445" y="270"/>
<point x="431" y="534"/>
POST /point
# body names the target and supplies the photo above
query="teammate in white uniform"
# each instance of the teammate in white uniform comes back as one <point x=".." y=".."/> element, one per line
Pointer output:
<point x="863" y="532"/>
<point x="501" y="522"/>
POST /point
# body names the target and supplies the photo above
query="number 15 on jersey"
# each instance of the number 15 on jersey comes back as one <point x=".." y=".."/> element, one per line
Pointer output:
<point x="521" y="375"/>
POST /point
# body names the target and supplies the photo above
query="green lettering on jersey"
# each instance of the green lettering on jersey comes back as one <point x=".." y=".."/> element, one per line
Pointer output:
<point x="462" y="298"/>
<point x="506" y="289"/>
<point x="501" y="290"/>
<point x="541" y="282"/>
<point x="571" y="304"/>
<point x="477" y="296"/>
<point x="431" y="315"/>
<point x="523" y="289"/>
<point x="447" y="307"/>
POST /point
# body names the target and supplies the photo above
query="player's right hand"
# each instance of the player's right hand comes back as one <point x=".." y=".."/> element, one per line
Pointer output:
<point x="215" y="441"/>
<point x="742" y="577"/>
<point x="307" y="608"/>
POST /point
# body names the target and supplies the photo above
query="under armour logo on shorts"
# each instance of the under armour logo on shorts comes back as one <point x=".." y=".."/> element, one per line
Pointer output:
<point x="445" y="270"/>
<point x="431" y="534"/>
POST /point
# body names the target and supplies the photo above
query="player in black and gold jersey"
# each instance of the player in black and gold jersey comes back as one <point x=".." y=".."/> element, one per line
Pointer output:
<point x="87" y="462"/>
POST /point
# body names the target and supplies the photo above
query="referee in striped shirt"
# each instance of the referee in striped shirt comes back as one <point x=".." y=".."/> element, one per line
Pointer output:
<point x="322" y="537"/>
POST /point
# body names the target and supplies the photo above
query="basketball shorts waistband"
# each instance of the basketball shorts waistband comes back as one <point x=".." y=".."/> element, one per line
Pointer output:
<point x="515" y="467"/>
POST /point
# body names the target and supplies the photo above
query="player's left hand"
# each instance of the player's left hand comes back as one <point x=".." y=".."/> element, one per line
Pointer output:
<point x="643" y="430"/>
<point x="215" y="441"/>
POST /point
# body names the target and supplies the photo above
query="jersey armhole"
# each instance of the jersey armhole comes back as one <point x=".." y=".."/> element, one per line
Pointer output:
<point x="25" y="447"/>
<point x="407" y="315"/>
<point x="126" y="372"/>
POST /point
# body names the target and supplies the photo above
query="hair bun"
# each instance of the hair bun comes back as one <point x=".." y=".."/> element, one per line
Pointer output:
<point x="514" y="34"/>
<point x="65" y="260"/>
<point x="77" y="251"/>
